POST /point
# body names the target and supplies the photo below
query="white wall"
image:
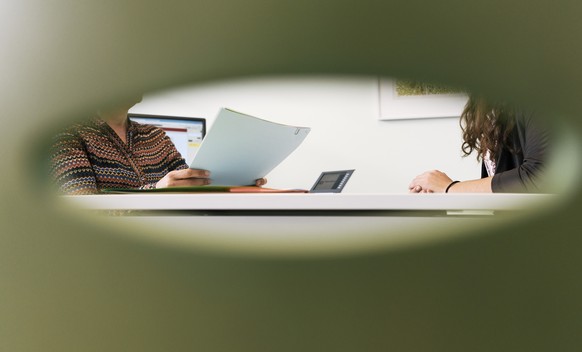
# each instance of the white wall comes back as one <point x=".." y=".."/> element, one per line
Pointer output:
<point x="346" y="133"/>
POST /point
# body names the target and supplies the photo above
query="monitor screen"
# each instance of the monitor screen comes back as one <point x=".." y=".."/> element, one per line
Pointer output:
<point x="185" y="132"/>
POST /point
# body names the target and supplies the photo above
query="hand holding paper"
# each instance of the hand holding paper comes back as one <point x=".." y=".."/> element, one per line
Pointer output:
<point x="240" y="149"/>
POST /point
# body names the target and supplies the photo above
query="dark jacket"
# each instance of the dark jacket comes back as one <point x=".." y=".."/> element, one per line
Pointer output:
<point x="519" y="171"/>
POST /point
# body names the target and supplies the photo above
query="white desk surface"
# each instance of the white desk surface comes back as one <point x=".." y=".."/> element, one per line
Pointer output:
<point x="303" y="224"/>
<point x="302" y="201"/>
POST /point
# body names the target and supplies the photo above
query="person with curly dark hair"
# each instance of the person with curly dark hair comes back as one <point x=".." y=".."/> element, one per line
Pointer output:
<point x="511" y="145"/>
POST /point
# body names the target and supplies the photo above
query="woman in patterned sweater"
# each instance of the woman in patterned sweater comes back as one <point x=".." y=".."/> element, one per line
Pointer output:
<point x="111" y="151"/>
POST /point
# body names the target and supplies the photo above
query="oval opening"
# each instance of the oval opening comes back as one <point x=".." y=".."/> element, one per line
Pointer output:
<point x="359" y="123"/>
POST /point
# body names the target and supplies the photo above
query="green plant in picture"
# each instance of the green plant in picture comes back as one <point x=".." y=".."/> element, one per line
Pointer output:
<point x="404" y="87"/>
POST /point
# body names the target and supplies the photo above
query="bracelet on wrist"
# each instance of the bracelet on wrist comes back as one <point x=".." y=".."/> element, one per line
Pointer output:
<point x="449" y="186"/>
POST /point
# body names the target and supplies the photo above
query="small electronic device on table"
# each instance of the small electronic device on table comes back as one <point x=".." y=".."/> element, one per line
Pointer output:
<point x="331" y="181"/>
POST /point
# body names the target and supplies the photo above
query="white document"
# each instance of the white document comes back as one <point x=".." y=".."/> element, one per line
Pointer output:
<point x="239" y="149"/>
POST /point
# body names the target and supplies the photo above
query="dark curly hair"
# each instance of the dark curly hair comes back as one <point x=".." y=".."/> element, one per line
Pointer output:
<point x="486" y="127"/>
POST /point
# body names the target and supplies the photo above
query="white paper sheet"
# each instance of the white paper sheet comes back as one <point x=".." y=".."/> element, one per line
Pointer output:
<point x="239" y="149"/>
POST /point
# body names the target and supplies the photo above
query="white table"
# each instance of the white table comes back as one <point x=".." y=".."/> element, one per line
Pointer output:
<point x="298" y="202"/>
<point x="304" y="223"/>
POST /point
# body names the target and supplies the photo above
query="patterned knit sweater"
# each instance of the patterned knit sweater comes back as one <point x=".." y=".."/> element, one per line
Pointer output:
<point x="89" y="157"/>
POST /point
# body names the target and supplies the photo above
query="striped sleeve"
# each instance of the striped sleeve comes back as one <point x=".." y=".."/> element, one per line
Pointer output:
<point x="71" y="170"/>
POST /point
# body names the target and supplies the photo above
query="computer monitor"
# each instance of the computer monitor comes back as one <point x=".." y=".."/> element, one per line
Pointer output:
<point x="185" y="132"/>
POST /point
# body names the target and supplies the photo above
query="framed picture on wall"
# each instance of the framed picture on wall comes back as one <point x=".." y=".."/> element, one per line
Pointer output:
<point x="403" y="99"/>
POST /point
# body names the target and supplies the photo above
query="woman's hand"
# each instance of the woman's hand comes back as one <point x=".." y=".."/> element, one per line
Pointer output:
<point x="185" y="177"/>
<point x="430" y="182"/>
